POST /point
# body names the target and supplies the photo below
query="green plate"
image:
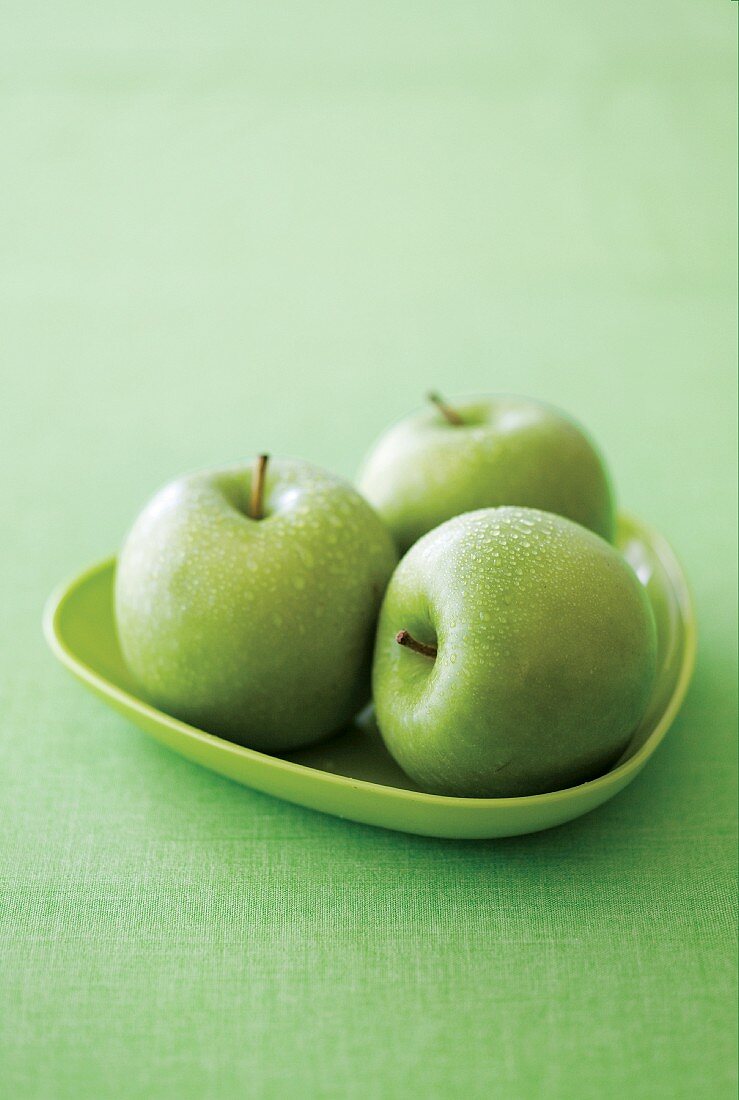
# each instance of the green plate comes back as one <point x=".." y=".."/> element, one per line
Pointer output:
<point x="352" y="775"/>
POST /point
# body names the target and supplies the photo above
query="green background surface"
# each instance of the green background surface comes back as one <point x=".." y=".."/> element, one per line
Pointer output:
<point x="228" y="227"/>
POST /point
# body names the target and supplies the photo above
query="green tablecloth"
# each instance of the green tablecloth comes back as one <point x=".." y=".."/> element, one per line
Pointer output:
<point x="229" y="227"/>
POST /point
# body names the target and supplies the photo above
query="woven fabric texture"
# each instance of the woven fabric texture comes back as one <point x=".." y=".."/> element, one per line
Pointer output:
<point x="229" y="227"/>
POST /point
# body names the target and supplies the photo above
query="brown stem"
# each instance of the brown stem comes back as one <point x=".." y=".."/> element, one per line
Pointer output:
<point x="406" y="639"/>
<point x="256" y="500"/>
<point x="451" y="415"/>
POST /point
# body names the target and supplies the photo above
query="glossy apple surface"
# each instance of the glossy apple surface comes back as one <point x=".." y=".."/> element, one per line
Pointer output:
<point x="259" y="630"/>
<point x="545" y="655"/>
<point x="505" y="450"/>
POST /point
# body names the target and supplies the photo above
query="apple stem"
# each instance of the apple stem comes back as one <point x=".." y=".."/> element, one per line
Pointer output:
<point x="256" y="501"/>
<point x="406" y="639"/>
<point x="450" y="414"/>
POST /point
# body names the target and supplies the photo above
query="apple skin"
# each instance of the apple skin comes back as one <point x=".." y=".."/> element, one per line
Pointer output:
<point x="509" y="450"/>
<point x="260" y="631"/>
<point x="546" y="655"/>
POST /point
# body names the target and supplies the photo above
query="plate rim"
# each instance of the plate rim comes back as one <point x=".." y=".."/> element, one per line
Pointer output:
<point x="64" y="591"/>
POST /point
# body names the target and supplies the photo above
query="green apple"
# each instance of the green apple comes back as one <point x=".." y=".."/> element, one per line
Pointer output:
<point x="480" y="453"/>
<point x="246" y="601"/>
<point x="515" y="654"/>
